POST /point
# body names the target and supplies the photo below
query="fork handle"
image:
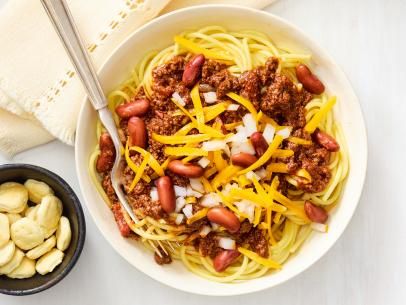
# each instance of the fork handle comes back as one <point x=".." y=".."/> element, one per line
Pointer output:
<point x="62" y="20"/>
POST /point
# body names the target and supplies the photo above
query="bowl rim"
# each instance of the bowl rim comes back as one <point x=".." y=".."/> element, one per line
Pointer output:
<point x="362" y="167"/>
<point x="81" y="232"/>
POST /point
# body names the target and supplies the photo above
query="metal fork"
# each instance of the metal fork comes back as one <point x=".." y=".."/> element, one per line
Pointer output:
<point x="63" y="22"/>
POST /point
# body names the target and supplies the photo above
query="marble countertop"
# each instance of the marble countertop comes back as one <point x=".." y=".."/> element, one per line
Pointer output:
<point x="366" y="266"/>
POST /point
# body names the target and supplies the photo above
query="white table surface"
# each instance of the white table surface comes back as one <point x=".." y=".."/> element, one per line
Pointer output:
<point x="367" y="265"/>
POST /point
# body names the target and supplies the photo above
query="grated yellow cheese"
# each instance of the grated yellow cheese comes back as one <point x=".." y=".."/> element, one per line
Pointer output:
<point x="318" y="117"/>
<point x="246" y="103"/>
<point x="195" y="48"/>
<point x="185" y="151"/>
<point x="267" y="262"/>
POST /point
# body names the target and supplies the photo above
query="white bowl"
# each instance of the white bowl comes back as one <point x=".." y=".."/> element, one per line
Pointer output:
<point x="158" y="34"/>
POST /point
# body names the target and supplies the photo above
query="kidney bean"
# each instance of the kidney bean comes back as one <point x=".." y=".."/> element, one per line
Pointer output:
<point x="185" y="170"/>
<point x="309" y="81"/>
<point x="107" y="155"/>
<point x="243" y="159"/>
<point x="224" y="259"/>
<point x="259" y="143"/>
<point x="105" y="142"/>
<point x="124" y="228"/>
<point x="137" y="131"/>
<point x="315" y="213"/>
<point x="193" y="70"/>
<point x="325" y="140"/>
<point x="105" y="161"/>
<point x="224" y="218"/>
<point x="166" y="193"/>
<point x="136" y="108"/>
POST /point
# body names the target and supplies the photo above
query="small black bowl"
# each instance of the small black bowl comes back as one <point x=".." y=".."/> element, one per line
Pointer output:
<point x="71" y="209"/>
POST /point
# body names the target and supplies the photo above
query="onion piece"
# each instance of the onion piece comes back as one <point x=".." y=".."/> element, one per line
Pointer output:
<point x="176" y="96"/>
<point x="210" y="97"/>
<point x="233" y="107"/>
<point x="284" y="132"/>
<point x="250" y="175"/>
<point x="321" y="227"/>
<point x="203" y="162"/>
<point x="245" y="147"/>
<point x="213" y="145"/>
<point x="154" y="194"/>
<point x="180" y="191"/>
<point x="204" y="231"/>
<point x="196" y="184"/>
<point x="246" y="207"/>
<point x="188" y="210"/>
<point x="214" y="226"/>
<point x="179" y="219"/>
<point x="261" y="173"/>
<point x="228" y="187"/>
<point x="249" y="123"/>
<point x="269" y="133"/>
<point x="210" y="200"/>
<point x="192" y="193"/>
<point x="226" y="243"/>
<point x="180" y="203"/>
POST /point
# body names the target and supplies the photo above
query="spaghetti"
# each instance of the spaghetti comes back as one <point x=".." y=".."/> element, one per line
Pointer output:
<point x="274" y="198"/>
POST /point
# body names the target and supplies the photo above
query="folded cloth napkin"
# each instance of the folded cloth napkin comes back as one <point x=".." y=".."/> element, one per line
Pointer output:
<point x="40" y="95"/>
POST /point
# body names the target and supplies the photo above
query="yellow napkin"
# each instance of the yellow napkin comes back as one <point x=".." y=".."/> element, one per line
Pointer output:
<point x="40" y="96"/>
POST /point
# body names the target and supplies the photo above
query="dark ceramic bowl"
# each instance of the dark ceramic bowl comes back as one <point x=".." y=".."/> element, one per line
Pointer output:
<point x="71" y="209"/>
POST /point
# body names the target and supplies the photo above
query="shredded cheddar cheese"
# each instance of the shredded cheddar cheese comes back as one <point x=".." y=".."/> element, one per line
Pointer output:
<point x="267" y="262"/>
<point x="318" y="117"/>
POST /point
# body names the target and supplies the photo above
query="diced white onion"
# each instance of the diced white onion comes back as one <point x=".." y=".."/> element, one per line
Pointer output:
<point x="210" y="97"/>
<point x="261" y="173"/>
<point x="250" y="175"/>
<point x="226" y="243"/>
<point x="178" y="98"/>
<point x="269" y="133"/>
<point x="188" y="210"/>
<point x="192" y="193"/>
<point x="228" y="187"/>
<point x="196" y="184"/>
<point x="321" y="227"/>
<point x="154" y="194"/>
<point x="214" y="226"/>
<point x="245" y="147"/>
<point x="180" y="203"/>
<point x="246" y="207"/>
<point x="214" y="145"/>
<point x="210" y="200"/>
<point x="204" y="231"/>
<point x="180" y="191"/>
<point x="284" y="132"/>
<point x="233" y="107"/>
<point x="249" y="123"/>
<point x="203" y="162"/>
<point x="179" y="219"/>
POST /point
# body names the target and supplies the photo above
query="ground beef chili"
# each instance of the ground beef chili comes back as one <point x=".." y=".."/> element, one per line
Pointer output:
<point x="269" y="91"/>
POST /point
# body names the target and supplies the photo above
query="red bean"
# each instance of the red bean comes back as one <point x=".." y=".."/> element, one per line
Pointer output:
<point x="315" y="213"/>
<point x="137" y="132"/>
<point x="309" y="81"/>
<point x="243" y="159"/>
<point x="224" y="218"/>
<point x="185" y="170"/>
<point x="224" y="259"/>
<point x="136" y="108"/>
<point x="193" y="70"/>
<point x="166" y="193"/>
<point x="325" y="140"/>
<point x="259" y="142"/>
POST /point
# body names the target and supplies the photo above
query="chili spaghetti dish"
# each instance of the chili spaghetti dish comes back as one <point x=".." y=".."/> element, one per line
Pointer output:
<point x="232" y="154"/>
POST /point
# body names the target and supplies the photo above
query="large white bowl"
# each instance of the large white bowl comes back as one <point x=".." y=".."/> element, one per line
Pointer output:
<point x="158" y="34"/>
